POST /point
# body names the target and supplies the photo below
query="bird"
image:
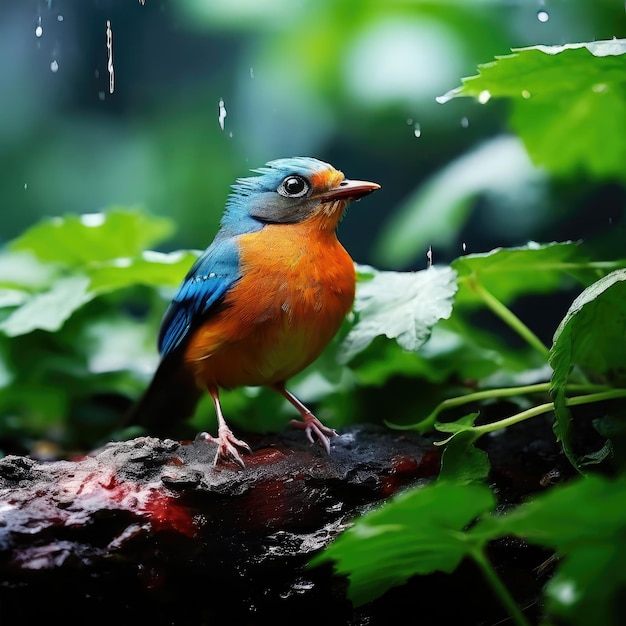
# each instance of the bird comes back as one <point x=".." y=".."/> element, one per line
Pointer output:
<point x="262" y="302"/>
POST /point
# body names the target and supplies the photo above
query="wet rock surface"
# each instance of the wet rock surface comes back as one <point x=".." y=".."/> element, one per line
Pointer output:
<point x="149" y="530"/>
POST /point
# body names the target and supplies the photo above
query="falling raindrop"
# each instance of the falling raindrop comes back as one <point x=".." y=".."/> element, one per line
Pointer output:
<point x="54" y="66"/>
<point x="38" y="28"/>
<point x="429" y="256"/>
<point x="484" y="96"/>
<point x="221" y="113"/>
<point x="251" y="72"/>
<point x="464" y="247"/>
<point x="59" y="18"/>
<point x="110" y="57"/>
<point x="417" y="129"/>
<point x="543" y="16"/>
<point x="25" y="185"/>
<point x="464" y="122"/>
<point x="447" y="96"/>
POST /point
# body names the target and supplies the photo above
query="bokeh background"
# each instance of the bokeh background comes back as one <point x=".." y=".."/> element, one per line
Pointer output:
<point x="161" y="105"/>
<point x="352" y="82"/>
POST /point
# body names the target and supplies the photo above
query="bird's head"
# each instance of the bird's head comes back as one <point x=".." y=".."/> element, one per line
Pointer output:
<point x="292" y="190"/>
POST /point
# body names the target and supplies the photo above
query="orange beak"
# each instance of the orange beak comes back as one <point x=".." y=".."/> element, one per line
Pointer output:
<point x="350" y="190"/>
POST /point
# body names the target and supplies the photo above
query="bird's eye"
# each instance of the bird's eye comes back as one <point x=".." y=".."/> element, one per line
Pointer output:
<point x="293" y="187"/>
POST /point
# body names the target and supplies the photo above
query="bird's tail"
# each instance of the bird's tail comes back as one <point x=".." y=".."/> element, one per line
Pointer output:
<point x="171" y="396"/>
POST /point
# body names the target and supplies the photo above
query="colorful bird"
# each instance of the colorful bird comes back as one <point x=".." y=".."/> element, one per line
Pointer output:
<point x="263" y="300"/>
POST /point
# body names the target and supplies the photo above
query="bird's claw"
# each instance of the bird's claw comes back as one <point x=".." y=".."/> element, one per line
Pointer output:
<point x="313" y="427"/>
<point x="227" y="445"/>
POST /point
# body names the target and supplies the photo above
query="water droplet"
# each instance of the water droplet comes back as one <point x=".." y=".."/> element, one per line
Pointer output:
<point x="464" y="247"/>
<point x="101" y="95"/>
<point x="54" y="66"/>
<point x="25" y="185"/>
<point x="38" y="31"/>
<point x="446" y="96"/>
<point x="484" y="96"/>
<point x="543" y="16"/>
<point x="251" y="72"/>
<point x="109" y="40"/>
<point x="599" y="87"/>
<point x="429" y="256"/>
<point x="59" y="18"/>
<point x="409" y="121"/>
<point x="464" y="122"/>
<point x="417" y="129"/>
<point x="221" y="113"/>
<point x="525" y="94"/>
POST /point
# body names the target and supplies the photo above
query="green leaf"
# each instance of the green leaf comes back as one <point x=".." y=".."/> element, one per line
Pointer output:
<point x="585" y="523"/>
<point x="434" y="214"/>
<point x="50" y="309"/>
<point x="400" y="305"/>
<point x="568" y="103"/>
<point x="507" y="273"/>
<point x="592" y="336"/>
<point x="462" y="462"/>
<point x="76" y="240"/>
<point x="150" y="268"/>
<point x="24" y="270"/>
<point x="418" y="532"/>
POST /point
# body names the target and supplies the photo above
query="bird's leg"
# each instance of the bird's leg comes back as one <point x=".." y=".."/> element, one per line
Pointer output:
<point x="227" y="443"/>
<point x="310" y="424"/>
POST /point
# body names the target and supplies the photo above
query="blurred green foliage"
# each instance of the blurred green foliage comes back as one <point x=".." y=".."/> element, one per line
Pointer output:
<point x="534" y="154"/>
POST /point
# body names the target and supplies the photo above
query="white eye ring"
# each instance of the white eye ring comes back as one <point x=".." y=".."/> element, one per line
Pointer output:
<point x="294" y="186"/>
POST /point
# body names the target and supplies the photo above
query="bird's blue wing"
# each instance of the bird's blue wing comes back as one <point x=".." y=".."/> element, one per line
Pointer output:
<point x="209" y="279"/>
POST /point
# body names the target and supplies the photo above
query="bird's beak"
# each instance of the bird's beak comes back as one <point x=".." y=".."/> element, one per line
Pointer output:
<point x="350" y="190"/>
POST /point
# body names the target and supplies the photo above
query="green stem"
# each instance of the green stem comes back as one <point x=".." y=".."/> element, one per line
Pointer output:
<point x="545" y="408"/>
<point x="486" y="394"/>
<point x="509" y="318"/>
<point x="499" y="589"/>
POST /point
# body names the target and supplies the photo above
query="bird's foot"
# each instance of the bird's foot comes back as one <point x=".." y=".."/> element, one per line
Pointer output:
<point x="314" y="428"/>
<point x="227" y="446"/>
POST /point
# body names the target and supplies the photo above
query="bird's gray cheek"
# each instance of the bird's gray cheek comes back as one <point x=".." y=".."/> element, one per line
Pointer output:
<point x="274" y="208"/>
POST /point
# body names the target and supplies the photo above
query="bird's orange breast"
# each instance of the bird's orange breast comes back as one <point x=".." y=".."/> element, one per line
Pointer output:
<point x="297" y="285"/>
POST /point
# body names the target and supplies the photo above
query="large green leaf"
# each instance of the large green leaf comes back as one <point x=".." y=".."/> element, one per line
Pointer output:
<point x="400" y="305"/>
<point x="59" y="265"/>
<point x="149" y="268"/>
<point x="418" y="532"/>
<point x="510" y="272"/>
<point x="49" y="309"/>
<point x="591" y="336"/>
<point x="585" y="523"/>
<point x="569" y="103"/>
<point x="75" y="240"/>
